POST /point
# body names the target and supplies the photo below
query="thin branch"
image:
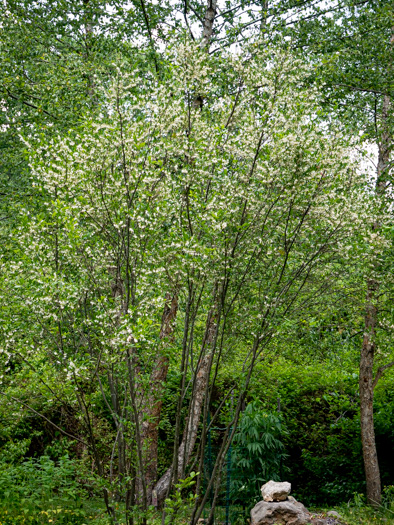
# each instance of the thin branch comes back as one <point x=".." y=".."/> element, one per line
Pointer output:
<point x="29" y="104"/>
<point x="44" y="417"/>
<point x="150" y="35"/>
<point x="363" y="90"/>
<point x="380" y="371"/>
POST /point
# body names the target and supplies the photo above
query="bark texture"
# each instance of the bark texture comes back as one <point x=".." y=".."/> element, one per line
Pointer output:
<point x="191" y="429"/>
<point x="366" y="380"/>
<point x="209" y="18"/>
<point x="371" y="465"/>
<point x="154" y="402"/>
<point x="207" y="32"/>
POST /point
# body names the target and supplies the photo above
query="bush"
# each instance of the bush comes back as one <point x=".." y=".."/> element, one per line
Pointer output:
<point x="39" y="491"/>
<point x="258" y="453"/>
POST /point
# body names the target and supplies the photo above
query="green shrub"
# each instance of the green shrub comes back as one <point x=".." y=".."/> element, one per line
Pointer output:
<point x="39" y="491"/>
<point x="258" y="453"/>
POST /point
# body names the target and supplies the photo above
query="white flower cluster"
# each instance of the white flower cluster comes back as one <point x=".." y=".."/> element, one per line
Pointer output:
<point x="222" y="172"/>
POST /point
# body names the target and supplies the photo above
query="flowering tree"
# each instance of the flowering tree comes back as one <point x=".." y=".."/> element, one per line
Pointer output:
<point x="177" y="234"/>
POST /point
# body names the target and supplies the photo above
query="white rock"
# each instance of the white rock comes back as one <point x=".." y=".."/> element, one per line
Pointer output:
<point x="289" y="512"/>
<point x="275" y="491"/>
<point x="334" y="514"/>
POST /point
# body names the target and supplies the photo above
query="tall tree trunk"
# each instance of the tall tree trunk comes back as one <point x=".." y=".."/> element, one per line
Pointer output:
<point x="366" y="380"/>
<point x="207" y="32"/>
<point x="191" y="428"/>
<point x="154" y="402"/>
<point x="151" y="425"/>
<point x="371" y="465"/>
<point x="181" y="458"/>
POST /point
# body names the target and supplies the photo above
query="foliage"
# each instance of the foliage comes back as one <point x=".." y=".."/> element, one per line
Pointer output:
<point x="356" y="510"/>
<point x="41" y="491"/>
<point x="90" y="274"/>
<point x="319" y="406"/>
<point x="178" y="500"/>
<point x="258" y="453"/>
<point x="143" y="158"/>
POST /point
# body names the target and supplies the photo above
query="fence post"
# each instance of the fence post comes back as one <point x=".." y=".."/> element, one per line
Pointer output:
<point x="228" y="483"/>
<point x="210" y="457"/>
<point x="280" y="458"/>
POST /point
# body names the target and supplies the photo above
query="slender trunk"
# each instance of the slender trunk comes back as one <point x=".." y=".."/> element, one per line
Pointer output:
<point x="371" y="464"/>
<point x="191" y="429"/>
<point x="152" y="412"/>
<point x="207" y="32"/>
<point x="366" y="380"/>
<point x="215" y="475"/>
<point x="209" y="18"/>
<point x="138" y="440"/>
<point x="182" y="455"/>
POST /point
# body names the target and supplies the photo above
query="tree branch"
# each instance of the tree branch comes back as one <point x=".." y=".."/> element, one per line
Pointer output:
<point x="380" y="371"/>
<point x="150" y="35"/>
<point x="44" y="417"/>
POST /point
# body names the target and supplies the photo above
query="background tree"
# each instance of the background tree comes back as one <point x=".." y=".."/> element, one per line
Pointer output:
<point x="354" y="50"/>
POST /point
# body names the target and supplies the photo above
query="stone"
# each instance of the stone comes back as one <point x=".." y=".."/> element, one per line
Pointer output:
<point x="289" y="512"/>
<point x="275" y="491"/>
<point x="334" y="514"/>
<point x="318" y="521"/>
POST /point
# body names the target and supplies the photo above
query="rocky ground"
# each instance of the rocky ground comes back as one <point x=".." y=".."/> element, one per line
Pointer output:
<point x="331" y="518"/>
<point x="277" y="506"/>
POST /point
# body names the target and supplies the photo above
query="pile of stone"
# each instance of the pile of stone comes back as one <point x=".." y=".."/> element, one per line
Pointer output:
<point x="278" y="507"/>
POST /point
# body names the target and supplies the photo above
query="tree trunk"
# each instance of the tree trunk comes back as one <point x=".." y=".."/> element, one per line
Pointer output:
<point x="154" y="402"/>
<point x="191" y="429"/>
<point x="151" y="425"/>
<point x="371" y="465"/>
<point x="204" y="365"/>
<point x="207" y="32"/>
<point x="366" y="381"/>
<point x="209" y="18"/>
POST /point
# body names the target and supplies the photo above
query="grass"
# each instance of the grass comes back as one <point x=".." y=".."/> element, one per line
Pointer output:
<point x="57" y="511"/>
<point x="366" y="515"/>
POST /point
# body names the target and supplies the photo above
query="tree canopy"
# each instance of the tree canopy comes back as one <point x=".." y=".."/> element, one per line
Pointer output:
<point x="193" y="241"/>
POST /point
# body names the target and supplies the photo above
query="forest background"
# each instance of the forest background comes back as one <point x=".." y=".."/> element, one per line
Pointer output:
<point x="196" y="285"/>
